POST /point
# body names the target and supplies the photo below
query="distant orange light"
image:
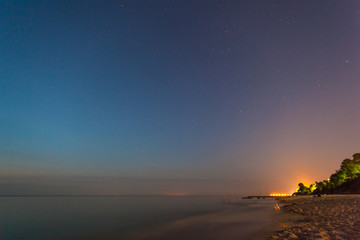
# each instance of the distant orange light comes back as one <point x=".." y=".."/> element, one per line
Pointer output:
<point x="280" y="194"/>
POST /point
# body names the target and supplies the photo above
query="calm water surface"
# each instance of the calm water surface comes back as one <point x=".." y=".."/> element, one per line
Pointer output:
<point x="39" y="218"/>
<point x="92" y="217"/>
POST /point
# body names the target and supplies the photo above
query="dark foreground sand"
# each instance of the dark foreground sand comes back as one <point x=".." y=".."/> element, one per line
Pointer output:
<point x="326" y="217"/>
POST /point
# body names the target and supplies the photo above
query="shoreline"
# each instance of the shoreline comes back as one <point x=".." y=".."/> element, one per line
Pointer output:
<point x="326" y="217"/>
<point x="256" y="221"/>
<point x="300" y="217"/>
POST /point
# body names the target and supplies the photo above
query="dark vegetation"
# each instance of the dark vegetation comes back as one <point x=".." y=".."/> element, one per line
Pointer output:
<point x="344" y="180"/>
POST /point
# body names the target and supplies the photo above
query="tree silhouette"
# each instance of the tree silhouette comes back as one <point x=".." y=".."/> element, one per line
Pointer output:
<point x="349" y="171"/>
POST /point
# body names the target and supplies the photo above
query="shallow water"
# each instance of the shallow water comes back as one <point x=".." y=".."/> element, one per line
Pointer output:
<point x="41" y="218"/>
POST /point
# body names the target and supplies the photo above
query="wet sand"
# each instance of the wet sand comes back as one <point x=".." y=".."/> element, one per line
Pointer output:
<point x="326" y="217"/>
<point x="258" y="221"/>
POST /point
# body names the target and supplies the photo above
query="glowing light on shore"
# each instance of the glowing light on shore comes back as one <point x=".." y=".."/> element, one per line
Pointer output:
<point x="277" y="207"/>
<point x="280" y="194"/>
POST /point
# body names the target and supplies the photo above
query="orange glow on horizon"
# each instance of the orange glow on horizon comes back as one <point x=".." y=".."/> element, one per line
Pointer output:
<point x="280" y="194"/>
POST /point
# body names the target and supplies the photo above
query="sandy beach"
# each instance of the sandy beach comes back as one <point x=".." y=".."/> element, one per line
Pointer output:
<point x="326" y="217"/>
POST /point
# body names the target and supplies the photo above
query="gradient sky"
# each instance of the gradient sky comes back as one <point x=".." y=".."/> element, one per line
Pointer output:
<point x="176" y="97"/>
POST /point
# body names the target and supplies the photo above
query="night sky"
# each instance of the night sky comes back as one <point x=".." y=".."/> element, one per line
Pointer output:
<point x="176" y="97"/>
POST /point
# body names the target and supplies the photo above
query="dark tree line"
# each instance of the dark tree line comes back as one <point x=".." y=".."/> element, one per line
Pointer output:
<point x="349" y="171"/>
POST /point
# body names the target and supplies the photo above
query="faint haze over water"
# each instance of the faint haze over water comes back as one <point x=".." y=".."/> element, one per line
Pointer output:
<point x="92" y="217"/>
<point x="176" y="97"/>
<point x="110" y="218"/>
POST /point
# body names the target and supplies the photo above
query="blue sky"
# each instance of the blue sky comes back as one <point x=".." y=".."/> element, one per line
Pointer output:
<point x="225" y="93"/>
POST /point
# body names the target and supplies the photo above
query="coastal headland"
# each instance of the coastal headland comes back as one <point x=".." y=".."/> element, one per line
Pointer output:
<point x="325" y="217"/>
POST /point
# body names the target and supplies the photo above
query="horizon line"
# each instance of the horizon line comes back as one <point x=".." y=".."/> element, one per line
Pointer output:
<point x="111" y="195"/>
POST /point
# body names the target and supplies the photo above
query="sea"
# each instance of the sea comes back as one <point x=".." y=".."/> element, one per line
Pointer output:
<point x="125" y="217"/>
